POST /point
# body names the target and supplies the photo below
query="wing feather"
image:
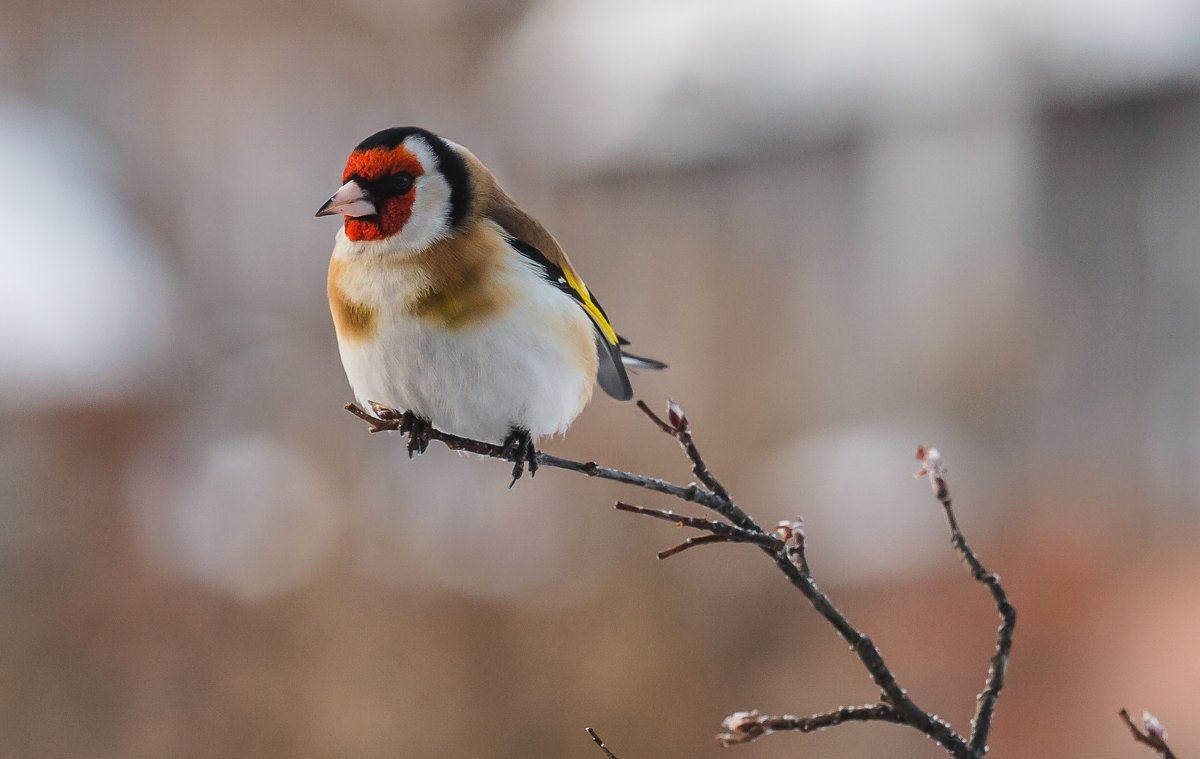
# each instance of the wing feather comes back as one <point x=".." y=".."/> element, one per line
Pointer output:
<point x="611" y="370"/>
<point x="533" y="241"/>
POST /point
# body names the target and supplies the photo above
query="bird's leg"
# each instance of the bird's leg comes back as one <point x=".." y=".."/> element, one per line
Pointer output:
<point x="518" y="448"/>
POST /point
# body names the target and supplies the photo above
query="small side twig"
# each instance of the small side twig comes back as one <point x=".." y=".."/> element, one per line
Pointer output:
<point x="1152" y="733"/>
<point x="600" y="743"/>
<point x="743" y="727"/>
<point x="680" y="429"/>
<point x="720" y="531"/>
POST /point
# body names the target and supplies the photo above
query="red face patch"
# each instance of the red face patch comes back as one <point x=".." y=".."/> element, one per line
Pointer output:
<point x="393" y="212"/>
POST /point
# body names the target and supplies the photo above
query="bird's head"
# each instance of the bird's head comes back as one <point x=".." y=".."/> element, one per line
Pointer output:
<point x="404" y="185"/>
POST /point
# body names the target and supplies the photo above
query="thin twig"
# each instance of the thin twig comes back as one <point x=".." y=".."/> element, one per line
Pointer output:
<point x="1153" y="735"/>
<point x="743" y="727"/>
<point x="600" y="743"/>
<point x="727" y="532"/>
<point x="698" y="540"/>
<point x="720" y="531"/>
<point x="981" y="723"/>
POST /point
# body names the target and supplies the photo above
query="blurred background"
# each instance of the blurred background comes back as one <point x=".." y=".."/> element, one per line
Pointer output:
<point x="849" y="227"/>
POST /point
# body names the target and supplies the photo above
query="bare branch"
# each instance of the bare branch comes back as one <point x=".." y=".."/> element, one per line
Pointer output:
<point x="786" y="547"/>
<point x="933" y="465"/>
<point x="743" y="727"/>
<point x="600" y="743"/>
<point x="1152" y="733"/>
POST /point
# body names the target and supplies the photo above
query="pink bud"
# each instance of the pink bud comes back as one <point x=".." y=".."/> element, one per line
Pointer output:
<point x="676" y="416"/>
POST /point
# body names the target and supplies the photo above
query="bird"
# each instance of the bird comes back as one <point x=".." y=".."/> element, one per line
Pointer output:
<point x="456" y="308"/>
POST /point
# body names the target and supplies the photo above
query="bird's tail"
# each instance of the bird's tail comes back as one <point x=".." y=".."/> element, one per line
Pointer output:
<point x="640" y="362"/>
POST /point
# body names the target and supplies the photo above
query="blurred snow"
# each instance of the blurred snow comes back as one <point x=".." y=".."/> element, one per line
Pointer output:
<point x="672" y="80"/>
<point x="867" y="521"/>
<point x="475" y="537"/>
<point x="248" y="515"/>
<point x="89" y="311"/>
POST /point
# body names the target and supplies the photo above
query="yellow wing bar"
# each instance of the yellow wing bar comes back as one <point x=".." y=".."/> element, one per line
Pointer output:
<point x="589" y="305"/>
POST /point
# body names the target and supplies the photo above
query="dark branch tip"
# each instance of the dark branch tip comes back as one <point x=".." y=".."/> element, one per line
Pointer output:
<point x="596" y="739"/>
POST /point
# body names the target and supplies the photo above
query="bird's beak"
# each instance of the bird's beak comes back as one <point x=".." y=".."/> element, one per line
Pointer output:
<point x="350" y="200"/>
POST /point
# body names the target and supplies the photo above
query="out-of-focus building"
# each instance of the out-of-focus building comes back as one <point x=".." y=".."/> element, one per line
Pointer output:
<point x="848" y="226"/>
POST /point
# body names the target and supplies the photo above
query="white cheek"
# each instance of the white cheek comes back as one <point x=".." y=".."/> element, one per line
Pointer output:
<point x="428" y="221"/>
<point x="430" y="216"/>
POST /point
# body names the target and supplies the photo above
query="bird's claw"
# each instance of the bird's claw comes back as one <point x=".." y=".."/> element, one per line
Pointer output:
<point x="406" y="423"/>
<point x="518" y="448"/>
<point x="418" y="431"/>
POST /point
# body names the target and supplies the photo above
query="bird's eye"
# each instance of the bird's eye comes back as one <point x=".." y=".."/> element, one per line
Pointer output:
<point x="398" y="184"/>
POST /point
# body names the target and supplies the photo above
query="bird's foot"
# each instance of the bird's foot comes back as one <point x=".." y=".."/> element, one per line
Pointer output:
<point x="518" y="448"/>
<point x="418" y="430"/>
<point x="407" y="423"/>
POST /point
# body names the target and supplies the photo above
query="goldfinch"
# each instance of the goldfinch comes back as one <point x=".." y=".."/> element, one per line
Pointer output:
<point x="454" y="305"/>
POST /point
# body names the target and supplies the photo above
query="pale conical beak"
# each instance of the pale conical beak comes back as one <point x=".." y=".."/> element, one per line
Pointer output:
<point x="350" y="200"/>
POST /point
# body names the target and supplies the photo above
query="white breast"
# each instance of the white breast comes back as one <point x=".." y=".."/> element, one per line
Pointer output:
<point x="530" y="366"/>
